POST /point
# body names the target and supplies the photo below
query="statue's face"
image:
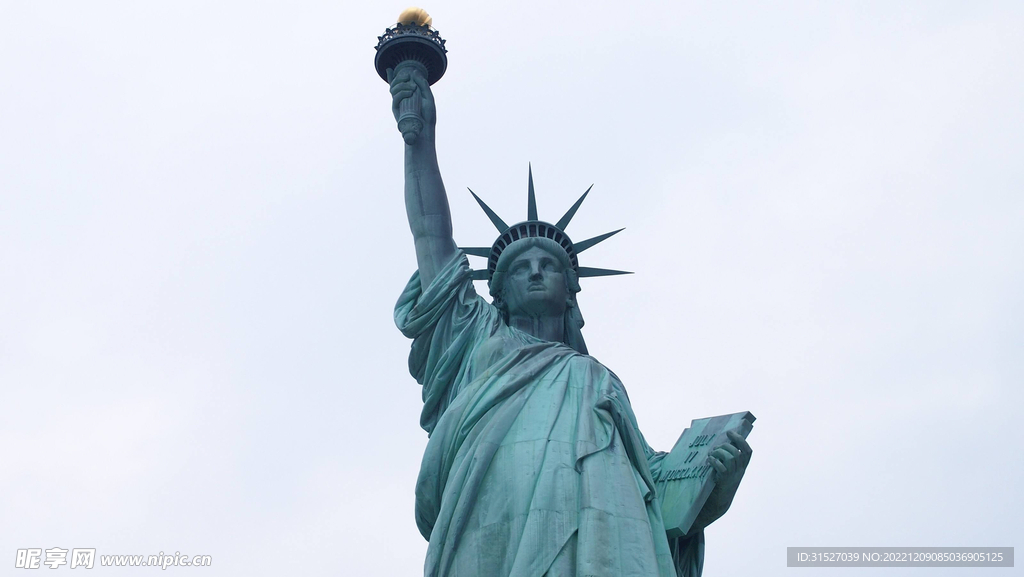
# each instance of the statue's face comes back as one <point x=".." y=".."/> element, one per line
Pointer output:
<point x="535" y="285"/>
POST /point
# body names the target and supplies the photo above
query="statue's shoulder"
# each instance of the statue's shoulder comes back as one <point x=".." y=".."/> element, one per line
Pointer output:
<point x="596" y="370"/>
<point x="588" y="362"/>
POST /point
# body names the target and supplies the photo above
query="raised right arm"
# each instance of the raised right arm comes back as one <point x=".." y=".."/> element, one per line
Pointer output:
<point x="426" y="202"/>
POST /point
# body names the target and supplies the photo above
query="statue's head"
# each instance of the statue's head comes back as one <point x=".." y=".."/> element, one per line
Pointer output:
<point x="534" y="277"/>
<point x="533" y="269"/>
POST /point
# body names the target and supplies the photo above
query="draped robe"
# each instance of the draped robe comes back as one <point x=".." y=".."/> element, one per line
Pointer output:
<point x="535" y="465"/>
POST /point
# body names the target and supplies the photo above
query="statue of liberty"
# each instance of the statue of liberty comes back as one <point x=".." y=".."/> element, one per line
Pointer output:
<point x="535" y="464"/>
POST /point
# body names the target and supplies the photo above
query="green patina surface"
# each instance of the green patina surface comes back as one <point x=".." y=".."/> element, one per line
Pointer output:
<point x="535" y="464"/>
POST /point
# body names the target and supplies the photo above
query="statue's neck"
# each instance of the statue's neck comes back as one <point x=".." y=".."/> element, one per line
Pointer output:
<point x="544" y="328"/>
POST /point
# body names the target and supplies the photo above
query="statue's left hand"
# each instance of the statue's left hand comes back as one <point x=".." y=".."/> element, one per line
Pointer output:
<point x="730" y="460"/>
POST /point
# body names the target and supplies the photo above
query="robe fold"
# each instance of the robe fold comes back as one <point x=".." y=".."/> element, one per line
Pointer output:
<point x="535" y="465"/>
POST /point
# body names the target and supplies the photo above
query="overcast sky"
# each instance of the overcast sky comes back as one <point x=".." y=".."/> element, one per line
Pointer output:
<point x="202" y="237"/>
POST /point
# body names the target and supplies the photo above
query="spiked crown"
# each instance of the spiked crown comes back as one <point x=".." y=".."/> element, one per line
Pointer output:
<point x="533" y="227"/>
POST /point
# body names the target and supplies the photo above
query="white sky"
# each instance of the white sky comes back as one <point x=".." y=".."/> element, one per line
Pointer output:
<point x="202" y="237"/>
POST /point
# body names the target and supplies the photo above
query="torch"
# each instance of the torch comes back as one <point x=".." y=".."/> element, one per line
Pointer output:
<point x="412" y="44"/>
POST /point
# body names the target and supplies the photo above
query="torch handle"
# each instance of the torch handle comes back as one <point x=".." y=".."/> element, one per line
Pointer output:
<point x="410" y="110"/>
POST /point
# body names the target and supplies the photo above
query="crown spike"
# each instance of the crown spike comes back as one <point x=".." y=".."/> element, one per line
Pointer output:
<point x="585" y="271"/>
<point x="585" y="244"/>
<point x="495" y="219"/>
<point x="531" y="201"/>
<point x="564" y="221"/>
<point x="480" y="274"/>
<point x="484" y="251"/>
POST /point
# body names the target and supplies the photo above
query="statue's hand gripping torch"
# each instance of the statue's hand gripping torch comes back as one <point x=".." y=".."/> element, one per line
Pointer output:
<point x="412" y="47"/>
<point x="408" y="85"/>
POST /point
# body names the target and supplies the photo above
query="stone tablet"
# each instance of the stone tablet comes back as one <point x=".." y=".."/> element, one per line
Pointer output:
<point x="686" y="477"/>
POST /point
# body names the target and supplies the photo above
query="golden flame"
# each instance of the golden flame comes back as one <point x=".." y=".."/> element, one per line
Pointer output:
<point x="414" y="15"/>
